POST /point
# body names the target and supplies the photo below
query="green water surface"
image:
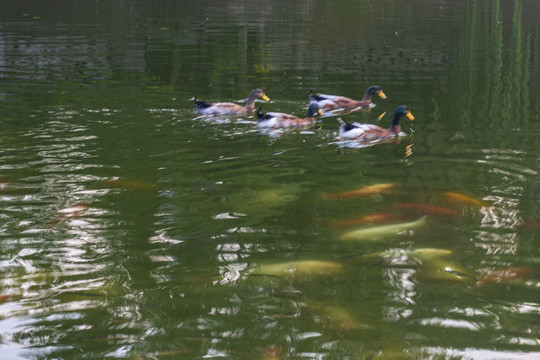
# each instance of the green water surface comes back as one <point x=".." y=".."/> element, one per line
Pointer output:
<point x="132" y="228"/>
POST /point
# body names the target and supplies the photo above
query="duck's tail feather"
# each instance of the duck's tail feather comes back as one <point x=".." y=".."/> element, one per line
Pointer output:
<point x="260" y="114"/>
<point x="199" y="104"/>
<point x="314" y="97"/>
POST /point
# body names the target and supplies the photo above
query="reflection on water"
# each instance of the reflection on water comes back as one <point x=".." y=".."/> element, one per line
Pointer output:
<point x="133" y="228"/>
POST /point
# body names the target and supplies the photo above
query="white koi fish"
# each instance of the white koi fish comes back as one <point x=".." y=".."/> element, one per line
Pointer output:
<point x="380" y="232"/>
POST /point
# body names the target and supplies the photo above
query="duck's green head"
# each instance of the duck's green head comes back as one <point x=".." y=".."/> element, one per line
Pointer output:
<point x="403" y="110"/>
<point x="375" y="90"/>
<point x="313" y="110"/>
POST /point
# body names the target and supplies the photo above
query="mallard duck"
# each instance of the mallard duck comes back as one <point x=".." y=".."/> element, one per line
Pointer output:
<point x="336" y="102"/>
<point x="281" y="120"/>
<point x="370" y="132"/>
<point x="228" y="108"/>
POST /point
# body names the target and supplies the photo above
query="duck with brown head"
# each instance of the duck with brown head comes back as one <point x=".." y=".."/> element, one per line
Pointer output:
<point x="228" y="108"/>
<point x="280" y="120"/>
<point x="337" y="102"/>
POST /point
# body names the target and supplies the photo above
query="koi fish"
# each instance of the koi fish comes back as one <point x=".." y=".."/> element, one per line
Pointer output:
<point x="426" y="253"/>
<point x="431" y="209"/>
<point x="375" y="218"/>
<point x="336" y="316"/>
<point x="69" y="212"/>
<point x="421" y="253"/>
<point x="431" y="263"/>
<point x="379" y="232"/>
<point x="440" y="270"/>
<point x="365" y="191"/>
<point x="171" y="353"/>
<point x="528" y="224"/>
<point x="129" y="184"/>
<point x="298" y="268"/>
<point x="464" y="199"/>
<point x="272" y="353"/>
<point x="504" y="276"/>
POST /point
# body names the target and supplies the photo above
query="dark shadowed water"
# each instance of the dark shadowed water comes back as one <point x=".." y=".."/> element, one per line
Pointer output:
<point x="132" y="228"/>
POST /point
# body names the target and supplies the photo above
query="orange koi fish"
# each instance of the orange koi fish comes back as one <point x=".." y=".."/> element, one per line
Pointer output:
<point x="528" y="224"/>
<point x="464" y="199"/>
<point x="375" y="218"/>
<point x="431" y="209"/>
<point x="365" y="191"/>
<point x="272" y="353"/>
<point x="504" y="276"/>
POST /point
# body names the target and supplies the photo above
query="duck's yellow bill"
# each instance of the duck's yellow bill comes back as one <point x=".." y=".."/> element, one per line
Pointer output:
<point x="265" y="98"/>
<point x="319" y="112"/>
<point x="382" y="95"/>
<point x="409" y="116"/>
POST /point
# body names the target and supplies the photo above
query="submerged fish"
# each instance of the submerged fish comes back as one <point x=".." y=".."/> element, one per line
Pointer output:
<point x="421" y="253"/>
<point x="426" y="253"/>
<point x="430" y="209"/>
<point x="504" y="276"/>
<point x="528" y="224"/>
<point x="365" y="191"/>
<point x="125" y="184"/>
<point x="272" y="353"/>
<point x="265" y="198"/>
<point x="170" y="353"/>
<point x="379" y="232"/>
<point x="445" y="271"/>
<point x="298" y="268"/>
<point x="336" y="316"/>
<point x="69" y="212"/>
<point x="464" y="199"/>
<point x="430" y="263"/>
<point x="375" y="218"/>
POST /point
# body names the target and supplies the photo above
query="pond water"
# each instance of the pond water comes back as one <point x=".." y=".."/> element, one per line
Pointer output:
<point x="133" y="228"/>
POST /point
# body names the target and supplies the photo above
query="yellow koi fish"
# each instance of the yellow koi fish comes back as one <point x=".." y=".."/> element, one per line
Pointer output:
<point x="453" y="196"/>
<point x="365" y="191"/>
<point x="421" y="253"/>
<point x="375" y="218"/>
<point x="298" y="268"/>
<point x="336" y="316"/>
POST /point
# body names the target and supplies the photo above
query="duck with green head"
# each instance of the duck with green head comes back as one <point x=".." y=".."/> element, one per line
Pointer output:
<point x="228" y="108"/>
<point x="370" y="132"/>
<point x="280" y="120"/>
<point x="337" y="102"/>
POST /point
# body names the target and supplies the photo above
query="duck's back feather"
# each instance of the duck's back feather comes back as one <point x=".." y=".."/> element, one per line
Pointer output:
<point x="332" y="102"/>
<point x="357" y="130"/>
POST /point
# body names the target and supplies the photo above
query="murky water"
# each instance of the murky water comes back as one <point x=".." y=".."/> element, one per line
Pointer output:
<point x="130" y="227"/>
